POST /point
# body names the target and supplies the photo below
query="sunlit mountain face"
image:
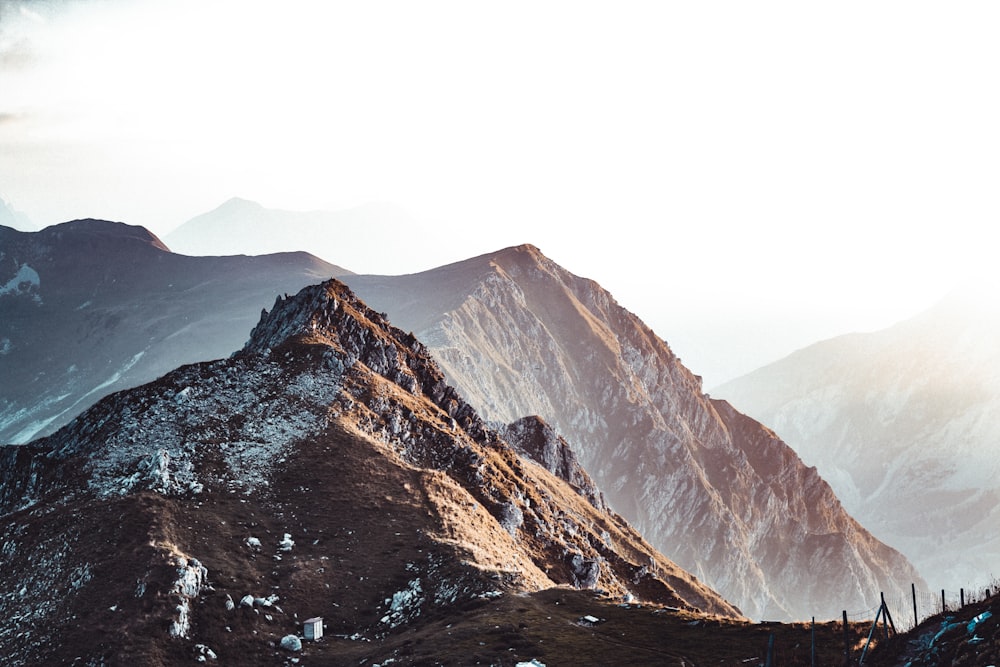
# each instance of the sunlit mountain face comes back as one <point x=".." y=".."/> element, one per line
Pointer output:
<point x="718" y="491"/>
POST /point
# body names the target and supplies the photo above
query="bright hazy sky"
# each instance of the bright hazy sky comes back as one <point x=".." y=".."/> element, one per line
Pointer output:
<point x="748" y="177"/>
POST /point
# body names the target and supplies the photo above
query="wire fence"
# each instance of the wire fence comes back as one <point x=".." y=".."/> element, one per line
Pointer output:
<point x="907" y="611"/>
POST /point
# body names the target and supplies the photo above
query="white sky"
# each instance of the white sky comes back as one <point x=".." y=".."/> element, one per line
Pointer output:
<point x="748" y="177"/>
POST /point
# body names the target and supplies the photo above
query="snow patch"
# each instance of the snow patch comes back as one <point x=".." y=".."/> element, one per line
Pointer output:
<point x="25" y="281"/>
<point x="248" y="411"/>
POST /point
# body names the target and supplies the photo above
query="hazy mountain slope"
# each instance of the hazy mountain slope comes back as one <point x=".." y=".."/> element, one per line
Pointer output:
<point x="327" y="469"/>
<point x="720" y="494"/>
<point x="903" y="422"/>
<point x="89" y="307"/>
<point x="10" y="217"/>
<point x="354" y="235"/>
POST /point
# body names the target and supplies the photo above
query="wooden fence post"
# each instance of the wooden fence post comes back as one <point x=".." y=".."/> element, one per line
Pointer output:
<point x="847" y="642"/>
<point x="812" y="650"/>
<point x="770" y="651"/>
<point x="961" y="593"/>
<point x="944" y="607"/>
<point x="916" y="619"/>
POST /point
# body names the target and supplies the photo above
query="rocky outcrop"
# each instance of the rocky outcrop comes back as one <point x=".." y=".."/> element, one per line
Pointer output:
<point x="533" y="438"/>
<point x="519" y="335"/>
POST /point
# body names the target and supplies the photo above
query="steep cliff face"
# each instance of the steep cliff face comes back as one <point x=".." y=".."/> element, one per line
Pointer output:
<point x="518" y="335"/>
<point x="327" y="469"/>
<point x="903" y="424"/>
<point x="90" y="307"/>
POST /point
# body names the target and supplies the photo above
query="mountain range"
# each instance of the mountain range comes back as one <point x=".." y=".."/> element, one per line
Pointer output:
<point x="718" y="492"/>
<point x="517" y="335"/>
<point x="357" y="234"/>
<point x="325" y="469"/>
<point x="903" y="423"/>
<point x="90" y="307"/>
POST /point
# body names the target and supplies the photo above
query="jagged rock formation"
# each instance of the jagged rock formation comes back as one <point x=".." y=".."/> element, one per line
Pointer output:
<point x="903" y="424"/>
<point x="90" y="307"/>
<point x="719" y="493"/>
<point x="533" y="438"/>
<point x="326" y="469"/>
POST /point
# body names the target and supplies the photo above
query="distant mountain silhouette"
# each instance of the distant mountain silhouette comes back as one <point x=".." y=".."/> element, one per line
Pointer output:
<point x="10" y="217"/>
<point x="356" y="235"/>
<point x="903" y="422"/>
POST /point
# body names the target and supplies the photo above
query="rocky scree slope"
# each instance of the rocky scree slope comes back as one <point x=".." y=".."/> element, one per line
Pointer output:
<point x="90" y="307"/>
<point x="903" y="423"/>
<point x="717" y="492"/>
<point x="327" y="469"/>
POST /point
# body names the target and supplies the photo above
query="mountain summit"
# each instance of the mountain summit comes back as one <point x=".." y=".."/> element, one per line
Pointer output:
<point x="327" y="469"/>
<point x="718" y="492"/>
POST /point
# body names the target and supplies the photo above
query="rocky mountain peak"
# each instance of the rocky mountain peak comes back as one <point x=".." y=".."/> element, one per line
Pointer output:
<point x="327" y="465"/>
<point x="519" y="335"/>
<point x="331" y="315"/>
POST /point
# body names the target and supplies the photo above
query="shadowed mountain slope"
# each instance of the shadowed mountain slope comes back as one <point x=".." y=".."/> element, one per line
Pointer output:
<point x="327" y="470"/>
<point x="716" y="491"/>
<point x="89" y="307"/>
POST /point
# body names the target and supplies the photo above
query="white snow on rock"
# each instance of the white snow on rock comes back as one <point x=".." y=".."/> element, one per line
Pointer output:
<point x="26" y="280"/>
<point x="253" y="542"/>
<point x="248" y="410"/>
<point x="246" y="601"/>
<point x="287" y="543"/>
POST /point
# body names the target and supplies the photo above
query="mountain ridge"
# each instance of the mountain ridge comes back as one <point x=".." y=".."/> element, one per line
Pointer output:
<point x="521" y="335"/>
<point x="397" y="503"/>
<point x="582" y="320"/>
